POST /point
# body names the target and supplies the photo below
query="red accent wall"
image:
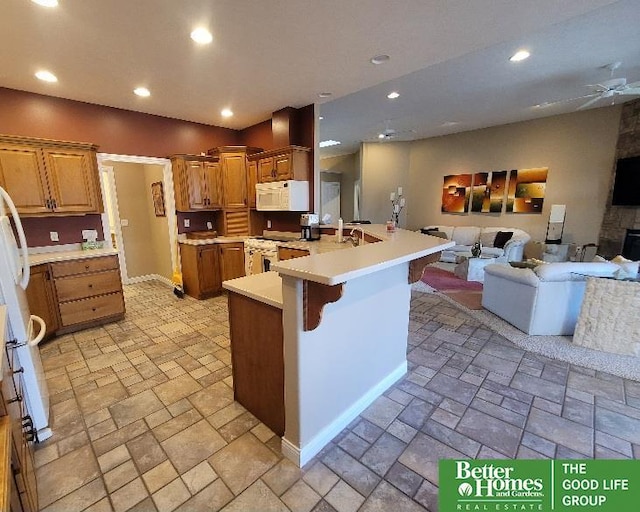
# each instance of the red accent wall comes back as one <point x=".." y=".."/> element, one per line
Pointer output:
<point x="258" y="136"/>
<point x="113" y="130"/>
<point x="69" y="229"/>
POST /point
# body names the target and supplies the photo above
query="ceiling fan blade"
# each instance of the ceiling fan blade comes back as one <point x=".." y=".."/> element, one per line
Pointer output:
<point x="631" y="91"/>
<point x="633" y="85"/>
<point x="553" y="103"/>
<point x="590" y="102"/>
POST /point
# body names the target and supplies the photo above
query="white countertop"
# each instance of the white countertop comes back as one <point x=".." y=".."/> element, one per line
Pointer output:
<point x="327" y="243"/>
<point x="264" y="287"/>
<point x="332" y="268"/>
<point x="216" y="240"/>
<point x="49" y="257"/>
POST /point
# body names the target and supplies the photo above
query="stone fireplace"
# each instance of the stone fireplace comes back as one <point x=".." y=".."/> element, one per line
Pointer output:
<point x="618" y="220"/>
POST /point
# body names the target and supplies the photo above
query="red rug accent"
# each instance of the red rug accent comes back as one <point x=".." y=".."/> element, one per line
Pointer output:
<point x="442" y="280"/>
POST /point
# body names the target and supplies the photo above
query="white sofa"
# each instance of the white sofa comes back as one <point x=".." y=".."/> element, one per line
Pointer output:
<point x="543" y="300"/>
<point x="466" y="236"/>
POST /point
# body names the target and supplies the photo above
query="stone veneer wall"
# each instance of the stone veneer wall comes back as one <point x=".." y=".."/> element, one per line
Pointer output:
<point x="617" y="219"/>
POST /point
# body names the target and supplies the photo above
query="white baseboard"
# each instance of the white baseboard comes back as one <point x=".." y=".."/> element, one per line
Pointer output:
<point x="150" y="277"/>
<point x="302" y="455"/>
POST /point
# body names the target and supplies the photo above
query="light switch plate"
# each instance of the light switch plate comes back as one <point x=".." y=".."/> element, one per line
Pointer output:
<point x="54" y="236"/>
<point x="268" y="224"/>
<point x="124" y="222"/>
<point x="187" y="223"/>
<point x="89" y="234"/>
<point x="209" y="225"/>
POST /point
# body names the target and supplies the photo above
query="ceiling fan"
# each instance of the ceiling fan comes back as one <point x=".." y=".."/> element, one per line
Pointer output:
<point x="389" y="133"/>
<point x="608" y="89"/>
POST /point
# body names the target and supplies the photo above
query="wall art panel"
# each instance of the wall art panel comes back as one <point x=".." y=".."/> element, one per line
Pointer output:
<point x="456" y="191"/>
<point x="526" y="190"/>
<point x="488" y="191"/>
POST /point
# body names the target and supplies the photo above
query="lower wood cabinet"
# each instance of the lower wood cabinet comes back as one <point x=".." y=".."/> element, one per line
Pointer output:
<point x="288" y="253"/>
<point x="75" y="294"/>
<point x="16" y="438"/>
<point x="204" y="267"/>
<point x="257" y="359"/>
<point x="41" y="298"/>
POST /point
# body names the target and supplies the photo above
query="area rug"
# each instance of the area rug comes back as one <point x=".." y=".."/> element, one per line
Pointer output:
<point x="467" y="293"/>
<point x="554" y="347"/>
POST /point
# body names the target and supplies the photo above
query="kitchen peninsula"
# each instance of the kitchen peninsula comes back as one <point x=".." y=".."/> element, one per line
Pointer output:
<point x="328" y="334"/>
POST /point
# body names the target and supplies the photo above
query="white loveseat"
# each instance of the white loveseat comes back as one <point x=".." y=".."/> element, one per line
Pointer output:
<point x="466" y="236"/>
<point x="543" y="300"/>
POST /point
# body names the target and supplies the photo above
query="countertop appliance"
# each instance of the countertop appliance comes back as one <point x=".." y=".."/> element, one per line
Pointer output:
<point x="288" y="195"/>
<point x="259" y="254"/>
<point x="310" y="226"/>
<point x="14" y="278"/>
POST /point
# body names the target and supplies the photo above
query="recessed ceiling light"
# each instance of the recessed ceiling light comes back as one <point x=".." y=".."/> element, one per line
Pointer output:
<point x="46" y="76"/>
<point x="201" y="36"/>
<point x="142" y="92"/>
<point x="379" y="59"/>
<point x="320" y="118"/>
<point x="46" y="3"/>
<point x="519" y="56"/>
<point x="381" y="135"/>
<point x="324" y="95"/>
<point x="329" y="143"/>
<point x="393" y="95"/>
<point x="226" y="112"/>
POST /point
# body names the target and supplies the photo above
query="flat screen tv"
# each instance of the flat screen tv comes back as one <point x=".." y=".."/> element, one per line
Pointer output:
<point x="626" y="187"/>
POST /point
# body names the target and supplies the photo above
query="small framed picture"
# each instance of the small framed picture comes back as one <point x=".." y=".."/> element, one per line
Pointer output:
<point x="157" y="195"/>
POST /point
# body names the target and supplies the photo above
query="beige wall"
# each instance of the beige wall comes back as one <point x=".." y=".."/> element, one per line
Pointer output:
<point x="385" y="167"/>
<point x="348" y="168"/>
<point x="578" y="149"/>
<point x="146" y="238"/>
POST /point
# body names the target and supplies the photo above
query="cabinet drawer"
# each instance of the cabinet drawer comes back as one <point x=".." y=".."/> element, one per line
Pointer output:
<point x="81" y="286"/>
<point x="68" y="268"/>
<point x="94" y="308"/>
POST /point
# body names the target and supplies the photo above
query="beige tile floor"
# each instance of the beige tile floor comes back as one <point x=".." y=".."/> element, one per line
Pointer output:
<point x="144" y="418"/>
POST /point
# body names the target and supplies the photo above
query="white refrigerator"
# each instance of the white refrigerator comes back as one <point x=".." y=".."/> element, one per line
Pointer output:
<point x="25" y="330"/>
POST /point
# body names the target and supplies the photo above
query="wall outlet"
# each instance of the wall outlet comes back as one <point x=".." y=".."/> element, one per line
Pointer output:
<point x="89" y="234"/>
<point x="124" y="222"/>
<point x="187" y="223"/>
<point x="209" y="225"/>
<point x="54" y="236"/>
<point x="268" y="224"/>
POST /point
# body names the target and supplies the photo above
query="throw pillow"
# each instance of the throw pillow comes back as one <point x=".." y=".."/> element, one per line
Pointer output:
<point x="425" y="231"/>
<point x="488" y="239"/>
<point x="502" y="237"/>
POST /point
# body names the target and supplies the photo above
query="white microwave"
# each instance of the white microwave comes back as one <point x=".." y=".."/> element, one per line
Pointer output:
<point x="289" y="195"/>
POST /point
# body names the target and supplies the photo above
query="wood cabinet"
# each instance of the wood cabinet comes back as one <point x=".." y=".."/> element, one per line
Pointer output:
<point x="234" y="180"/>
<point x="17" y="434"/>
<point x="88" y="292"/>
<point x="289" y="163"/>
<point x="252" y="179"/>
<point x="257" y="359"/>
<point x="231" y="260"/>
<point x="50" y="177"/>
<point x="288" y="253"/>
<point x="204" y="267"/>
<point x="196" y="183"/>
<point x="41" y="298"/>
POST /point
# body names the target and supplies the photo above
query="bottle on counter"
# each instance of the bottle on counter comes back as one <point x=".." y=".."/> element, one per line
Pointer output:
<point x="339" y="231"/>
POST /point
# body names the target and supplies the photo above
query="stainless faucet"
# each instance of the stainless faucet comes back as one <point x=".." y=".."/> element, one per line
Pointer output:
<point x="354" y="239"/>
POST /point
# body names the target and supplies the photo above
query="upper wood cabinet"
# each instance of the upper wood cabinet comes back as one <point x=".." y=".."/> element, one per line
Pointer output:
<point x="236" y="180"/>
<point x="196" y="182"/>
<point x="46" y="177"/>
<point x="290" y="163"/>
<point x="252" y="179"/>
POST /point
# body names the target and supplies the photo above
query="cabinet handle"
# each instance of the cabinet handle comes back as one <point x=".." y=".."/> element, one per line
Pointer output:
<point x="90" y="286"/>
<point x="19" y="370"/>
<point x="93" y="309"/>
<point x="86" y="267"/>
<point x="55" y="204"/>
<point x="30" y="432"/>
<point x="17" y="398"/>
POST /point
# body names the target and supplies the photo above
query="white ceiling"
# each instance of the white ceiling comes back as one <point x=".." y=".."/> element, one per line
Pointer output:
<point x="449" y="58"/>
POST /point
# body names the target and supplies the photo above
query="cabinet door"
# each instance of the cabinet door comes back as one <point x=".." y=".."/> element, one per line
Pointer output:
<point x="41" y="298"/>
<point x="282" y="165"/>
<point x="73" y="180"/>
<point x="208" y="269"/>
<point x="212" y="179"/>
<point x="196" y="184"/>
<point x="234" y="181"/>
<point x="266" y="172"/>
<point x="252" y="179"/>
<point x="23" y="176"/>
<point x="231" y="260"/>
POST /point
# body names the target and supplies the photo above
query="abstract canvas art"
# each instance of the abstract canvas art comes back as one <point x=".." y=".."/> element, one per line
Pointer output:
<point x="526" y="190"/>
<point x="456" y="190"/>
<point x="488" y="191"/>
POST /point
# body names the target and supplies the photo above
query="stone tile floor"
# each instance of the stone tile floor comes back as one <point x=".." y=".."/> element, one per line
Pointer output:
<point x="144" y="418"/>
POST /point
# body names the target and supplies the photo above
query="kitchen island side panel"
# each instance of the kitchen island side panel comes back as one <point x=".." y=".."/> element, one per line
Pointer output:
<point x="358" y="350"/>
